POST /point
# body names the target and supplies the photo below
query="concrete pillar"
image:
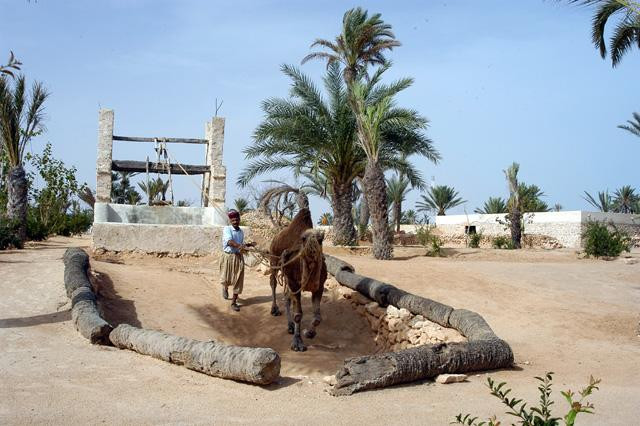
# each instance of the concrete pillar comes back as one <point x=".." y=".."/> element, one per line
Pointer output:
<point x="218" y="175"/>
<point x="104" y="158"/>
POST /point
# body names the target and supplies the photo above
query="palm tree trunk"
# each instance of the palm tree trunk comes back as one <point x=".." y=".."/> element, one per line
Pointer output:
<point x="17" y="199"/>
<point x="516" y="227"/>
<point x="342" y="203"/>
<point x="397" y="215"/>
<point x="376" y="193"/>
<point x="364" y="216"/>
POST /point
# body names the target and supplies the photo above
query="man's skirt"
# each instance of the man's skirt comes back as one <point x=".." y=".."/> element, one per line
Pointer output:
<point x="232" y="271"/>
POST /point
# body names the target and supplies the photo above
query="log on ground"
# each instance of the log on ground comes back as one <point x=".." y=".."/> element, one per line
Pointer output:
<point x="84" y="310"/>
<point x="422" y="362"/>
<point x="254" y="365"/>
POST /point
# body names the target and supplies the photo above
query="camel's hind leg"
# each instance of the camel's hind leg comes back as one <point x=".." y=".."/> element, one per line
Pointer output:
<point x="275" y="311"/>
<point x="316" y="297"/>
<point x="297" y="344"/>
<point x="287" y="305"/>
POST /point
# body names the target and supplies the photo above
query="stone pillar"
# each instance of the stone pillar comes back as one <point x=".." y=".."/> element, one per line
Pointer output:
<point x="218" y="175"/>
<point x="105" y="151"/>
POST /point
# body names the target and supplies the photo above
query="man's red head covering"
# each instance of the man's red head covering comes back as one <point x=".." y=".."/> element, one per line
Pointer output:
<point x="233" y="213"/>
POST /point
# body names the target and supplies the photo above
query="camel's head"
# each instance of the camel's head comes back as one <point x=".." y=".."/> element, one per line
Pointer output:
<point x="318" y="235"/>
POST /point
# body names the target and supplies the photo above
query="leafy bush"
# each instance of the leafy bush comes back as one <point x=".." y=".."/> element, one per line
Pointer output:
<point x="535" y="416"/>
<point x="599" y="240"/>
<point x="475" y="239"/>
<point x="426" y="238"/>
<point x="9" y="234"/>
<point x="502" y="242"/>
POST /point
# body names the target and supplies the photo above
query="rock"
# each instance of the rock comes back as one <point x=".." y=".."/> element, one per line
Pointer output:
<point x="375" y="324"/>
<point x="396" y="324"/>
<point x="416" y="324"/>
<point x="451" y="378"/>
<point x="404" y="314"/>
<point x="393" y="312"/>
<point x="630" y="261"/>
<point x="415" y="320"/>
<point x="330" y="380"/>
<point x="345" y="292"/>
<point x="374" y="309"/>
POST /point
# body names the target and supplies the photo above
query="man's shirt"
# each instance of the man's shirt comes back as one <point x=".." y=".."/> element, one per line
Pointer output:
<point x="230" y="233"/>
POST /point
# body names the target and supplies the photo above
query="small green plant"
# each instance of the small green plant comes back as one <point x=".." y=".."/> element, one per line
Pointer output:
<point x="502" y="242"/>
<point x="475" y="239"/>
<point x="426" y="238"/>
<point x="535" y="416"/>
<point x="602" y="240"/>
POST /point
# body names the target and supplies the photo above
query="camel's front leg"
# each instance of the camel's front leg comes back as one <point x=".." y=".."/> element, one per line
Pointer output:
<point x="297" y="344"/>
<point x="287" y="305"/>
<point x="275" y="311"/>
<point x="316" y="297"/>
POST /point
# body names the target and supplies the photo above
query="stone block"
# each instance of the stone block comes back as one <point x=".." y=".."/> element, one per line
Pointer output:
<point x="451" y="378"/>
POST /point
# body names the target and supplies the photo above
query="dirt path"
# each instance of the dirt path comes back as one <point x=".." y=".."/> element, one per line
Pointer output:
<point x="574" y="317"/>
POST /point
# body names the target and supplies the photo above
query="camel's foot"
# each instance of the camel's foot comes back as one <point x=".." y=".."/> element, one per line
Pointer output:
<point x="275" y="311"/>
<point x="297" y="345"/>
<point x="290" y="328"/>
<point x="309" y="334"/>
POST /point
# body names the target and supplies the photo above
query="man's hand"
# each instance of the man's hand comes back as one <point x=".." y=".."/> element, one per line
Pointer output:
<point x="252" y="244"/>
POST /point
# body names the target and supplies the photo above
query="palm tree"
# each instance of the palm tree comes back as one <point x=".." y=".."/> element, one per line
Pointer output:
<point x="626" y="33"/>
<point x="410" y="217"/>
<point x="121" y="190"/>
<point x="12" y="65"/>
<point x="325" y="219"/>
<point x="557" y="207"/>
<point x="397" y="189"/>
<point x="21" y="118"/>
<point x="634" y="125"/>
<point x="439" y="198"/>
<point x="361" y="43"/>
<point x="604" y="203"/>
<point x="530" y="200"/>
<point x="241" y="205"/>
<point x="316" y="137"/>
<point x="156" y="190"/>
<point x="494" y="205"/>
<point x="625" y="200"/>
<point x="515" y="213"/>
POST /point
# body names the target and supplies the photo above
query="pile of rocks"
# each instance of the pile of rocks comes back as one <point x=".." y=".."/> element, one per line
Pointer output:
<point x="397" y="329"/>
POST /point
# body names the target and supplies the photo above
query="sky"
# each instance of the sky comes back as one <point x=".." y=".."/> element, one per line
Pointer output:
<point x="499" y="80"/>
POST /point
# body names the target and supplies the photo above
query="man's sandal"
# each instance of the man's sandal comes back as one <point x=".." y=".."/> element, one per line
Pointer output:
<point x="225" y="293"/>
<point x="235" y="307"/>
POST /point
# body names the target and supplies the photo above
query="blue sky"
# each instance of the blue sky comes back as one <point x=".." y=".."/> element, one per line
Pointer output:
<point x="500" y="81"/>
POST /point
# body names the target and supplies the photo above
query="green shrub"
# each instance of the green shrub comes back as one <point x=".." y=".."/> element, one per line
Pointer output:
<point x="475" y="239"/>
<point x="600" y="241"/>
<point x="529" y="415"/>
<point x="9" y="234"/>
<point x="426" y="238"/>
<point x="502" y="242"/>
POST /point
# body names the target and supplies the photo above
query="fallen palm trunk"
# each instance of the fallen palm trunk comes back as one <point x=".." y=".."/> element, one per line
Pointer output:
<point x="84" y="311"/>
<point x="255" y="365"/>
<point x="483" y="351"/>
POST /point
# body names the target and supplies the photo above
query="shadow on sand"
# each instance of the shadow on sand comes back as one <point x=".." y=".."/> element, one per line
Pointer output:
<point x="114" y="309"/>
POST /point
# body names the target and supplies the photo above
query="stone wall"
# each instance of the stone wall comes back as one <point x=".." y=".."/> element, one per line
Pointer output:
<point x="157" y="239"/>
<point x="396" y="329"/>
<point x="543" y="229"/>
<point x="158" y="215"/>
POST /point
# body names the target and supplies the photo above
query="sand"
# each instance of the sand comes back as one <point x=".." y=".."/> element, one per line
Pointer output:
<point x="573" y="316"/>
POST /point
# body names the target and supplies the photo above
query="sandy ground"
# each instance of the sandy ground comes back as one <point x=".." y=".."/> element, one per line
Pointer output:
<point x="574" y="317"/>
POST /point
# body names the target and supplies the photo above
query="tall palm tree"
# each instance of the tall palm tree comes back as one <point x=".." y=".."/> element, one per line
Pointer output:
<point x="625" y="200"/>
<point x="626" y="33"/>
<point x="397" y="189"/>
<point x="21" y="118"/>
<point x="633" y="126"/>
<point x="440" y="198"/>
<point x="494" y="205"/>
<point x="317" y="136"/>
<point x="515" y="213"/>
<point x="12" y="65"/>
<point x="361" y="43"/>
<point x="530" y="199"/>
<point x="604" y="203"/>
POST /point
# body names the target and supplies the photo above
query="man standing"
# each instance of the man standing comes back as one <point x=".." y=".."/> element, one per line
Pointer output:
<point x="232" y="262"/>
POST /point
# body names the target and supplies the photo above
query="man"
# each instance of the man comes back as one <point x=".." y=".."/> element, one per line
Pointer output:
<point x="232" y="262"/>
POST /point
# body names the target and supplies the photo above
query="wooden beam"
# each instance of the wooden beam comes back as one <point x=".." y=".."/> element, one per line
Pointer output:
<point x="170" y="140"/>
<point x="141" y="166"/>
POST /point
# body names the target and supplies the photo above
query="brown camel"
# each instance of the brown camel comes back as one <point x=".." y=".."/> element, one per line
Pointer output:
<point x="299" y="248"/>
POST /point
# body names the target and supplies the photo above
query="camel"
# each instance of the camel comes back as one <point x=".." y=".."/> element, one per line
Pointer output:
<point x="297" y="251"/>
